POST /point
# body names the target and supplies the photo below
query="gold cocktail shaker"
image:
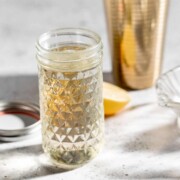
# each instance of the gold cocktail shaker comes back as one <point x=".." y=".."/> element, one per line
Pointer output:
<point x="136" y="33"/>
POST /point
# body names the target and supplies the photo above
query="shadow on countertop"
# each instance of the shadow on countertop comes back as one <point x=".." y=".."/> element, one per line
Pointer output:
<point x="25" y="162"/>
<point x="163" y="139"/>
<point x="168" y="174"/>
<point x="28" y="161"/>
<point x="19" y="88"/>
<point x="25" y="87"/>
<point x="108" y="77"/>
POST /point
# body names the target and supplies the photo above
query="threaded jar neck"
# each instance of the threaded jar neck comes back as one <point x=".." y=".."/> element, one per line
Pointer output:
<point x="69" y="49"/>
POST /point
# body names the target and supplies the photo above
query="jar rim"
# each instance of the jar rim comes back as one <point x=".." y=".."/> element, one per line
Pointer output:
<point x="70" y="31"/>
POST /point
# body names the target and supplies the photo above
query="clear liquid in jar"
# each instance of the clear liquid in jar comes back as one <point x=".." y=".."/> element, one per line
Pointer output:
<point x="71" y="113"/>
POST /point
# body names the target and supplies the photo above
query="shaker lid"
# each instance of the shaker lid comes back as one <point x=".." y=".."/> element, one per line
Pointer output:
<point x="18" y="120"/>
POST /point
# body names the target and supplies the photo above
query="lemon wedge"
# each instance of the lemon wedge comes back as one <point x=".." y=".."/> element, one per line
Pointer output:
<point x="115" y="98"/>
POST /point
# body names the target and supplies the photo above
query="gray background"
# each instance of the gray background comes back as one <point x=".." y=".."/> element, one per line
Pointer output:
<point x="21" y="22"/>
<point x="142" y="142"/>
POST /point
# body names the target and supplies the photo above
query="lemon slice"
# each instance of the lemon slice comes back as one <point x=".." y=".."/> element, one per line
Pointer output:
<point x="115" y="98"/>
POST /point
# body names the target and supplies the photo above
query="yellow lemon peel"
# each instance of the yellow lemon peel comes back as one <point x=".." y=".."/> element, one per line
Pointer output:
<point x="115" y="98"/>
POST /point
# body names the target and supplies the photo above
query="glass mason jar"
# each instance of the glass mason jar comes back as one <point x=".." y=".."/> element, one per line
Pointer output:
<point x="71" y="104"/>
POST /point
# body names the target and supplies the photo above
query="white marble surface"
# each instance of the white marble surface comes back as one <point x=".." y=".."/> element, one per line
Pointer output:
<point x="142" y="142"/>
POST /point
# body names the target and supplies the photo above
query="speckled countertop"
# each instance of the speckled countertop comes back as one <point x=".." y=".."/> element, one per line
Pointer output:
<point x="142" y="142"/>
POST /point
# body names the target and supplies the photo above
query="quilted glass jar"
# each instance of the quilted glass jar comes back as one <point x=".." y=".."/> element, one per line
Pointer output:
<point x="71" y="104"/>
